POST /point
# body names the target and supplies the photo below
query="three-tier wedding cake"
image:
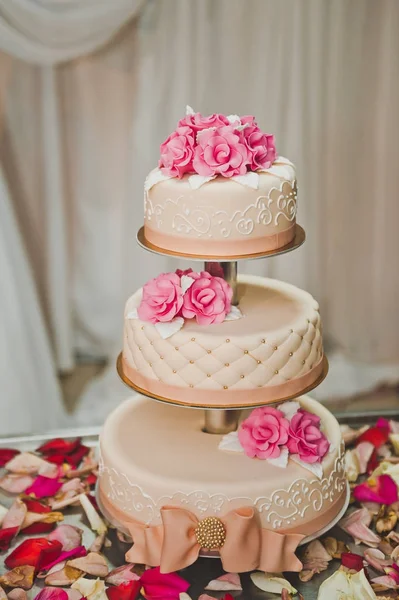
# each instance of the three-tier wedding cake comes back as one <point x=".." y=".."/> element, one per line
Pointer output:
<point x="264" y="471"/>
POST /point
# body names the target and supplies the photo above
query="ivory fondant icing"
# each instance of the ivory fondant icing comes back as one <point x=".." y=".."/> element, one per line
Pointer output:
<point x="223" y="216"/>
<point x="154" y="455"/>
<point x="274" y="350"/>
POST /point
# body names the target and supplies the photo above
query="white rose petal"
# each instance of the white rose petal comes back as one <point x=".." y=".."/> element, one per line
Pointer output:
<point x="233" y="119"/>
<point x="273" y="583"/>
<point x="189" y="110"/>
<point x="289" y="409"/>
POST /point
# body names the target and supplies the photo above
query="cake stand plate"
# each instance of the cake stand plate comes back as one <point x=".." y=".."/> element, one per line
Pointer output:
<point x="298" y="240"/>
<point x="225" y="406"/>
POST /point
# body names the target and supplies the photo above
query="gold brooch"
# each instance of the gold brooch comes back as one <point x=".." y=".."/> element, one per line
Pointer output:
<point x="210" y="533"/>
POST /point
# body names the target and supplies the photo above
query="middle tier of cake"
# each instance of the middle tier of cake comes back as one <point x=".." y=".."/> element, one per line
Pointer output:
<point x="273" y="352"/>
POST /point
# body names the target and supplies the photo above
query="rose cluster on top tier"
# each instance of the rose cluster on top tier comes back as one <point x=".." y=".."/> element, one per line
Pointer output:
<point x="267" y="431"/>
<point x="216" y="145"/>
<point x="185" y="294"/>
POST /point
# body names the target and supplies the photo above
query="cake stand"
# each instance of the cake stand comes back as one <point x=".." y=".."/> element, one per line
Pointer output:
<point x="221" y="419"/>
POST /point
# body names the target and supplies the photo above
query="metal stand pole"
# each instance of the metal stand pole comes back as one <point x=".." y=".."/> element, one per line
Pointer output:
<point x="221" y="420"/>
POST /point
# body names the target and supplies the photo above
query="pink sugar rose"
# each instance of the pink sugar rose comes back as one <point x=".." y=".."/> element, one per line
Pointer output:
<point x="197" y="122"/>
<point x="248" y="120"/>
<point x="305" y="437"/>
<point x="221" y="151"/>
<point x="208" y="300"/>
<point x="264" y="433"/>
<point x="177" y="153"/>
<point x="261" y="147"/>
<point x="162" y="299"/>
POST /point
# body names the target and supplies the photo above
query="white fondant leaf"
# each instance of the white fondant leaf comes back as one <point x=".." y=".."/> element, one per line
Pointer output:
<point x="232" y="119"/>
<point x="154" y="177"/>
<point x="186" y="282"/>
<point x="274" y="583"/>
<point x="189" y="110"/>
<point x="132" y="314"/>
<point x="225" y="583"/>
<point x="234" y="314"/>
<point x="314" y="468"/>
<point x="281" y="461"/>
<point x="195" y="181"/>
<point x="250" y="179"/>
<point x="230" y="442"/>
<point x="289" y="409"/>
<point x="165" y="330"/>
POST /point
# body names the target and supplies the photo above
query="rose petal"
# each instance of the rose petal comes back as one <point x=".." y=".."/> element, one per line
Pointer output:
<point x="376" y="559"/>
<point x="6" y="454"/>
<point x="15" y="484"/>
<point x="68" y="535"/>
<point x="36" y="552"/>
<point x="20" y="577"/>
<point x="350" y="435"/>
<point x="75" y="553"/>
<point x="375" y="435"/>
<point x="124" y="591"/>
<point x="356" y="524"/>
<point x="7" y="536"/>
<point x="381" y="489"/>
<point x="352" y="561"/>
<point x="343" y="584"/>
<point x="315" y="559"/>
<point x="335" y="547"/>
<point x="98" y="543"/>
<point x="271" y="582"/>
<point x="364" y="451"/>
<point x="3" y="511"/>
<point x="122" y="574"/>
<point x="16" y="594"/>
<point x="59" y="446"/>
<point x="352" y="465"/>
<point x="64" y="576"/>
<point x="96" y="523"/>
<point x="16" y="515"/>
<point x="27" y="463"/>
<point x="225" y="583"/>
<point x="162" y="585"/>
<point x="92" y="564"/>
<point x="51" y="594"/>
<point x="385" y="582"/>
<point x="39" y="528"/>
<point x="47" y="518"/>
<point x="92" y="589"/>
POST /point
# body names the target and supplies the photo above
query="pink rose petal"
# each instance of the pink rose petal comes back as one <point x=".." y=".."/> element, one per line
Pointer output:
<point x="16" y="594"/>
<point x="121" y="574"/>
<point x="364" y="451"/>
<point x="376" y="559"/>
<point x="386" y="581"/>
<point x="15" y="484"/>
<point x="163" y="586"/>
<point x="381" y="489"/>
<point x="75" y="553"/>
<point x="43" y="487"/>
<point x="225" y="583"/>
<point x="69" y="536"/>
<point x="16" y="515"/>
<point x="51" y="593"/>
<point x="356" y="524"/>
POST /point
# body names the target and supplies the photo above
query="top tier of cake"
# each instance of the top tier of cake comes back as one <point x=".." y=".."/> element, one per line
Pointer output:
<point x="220" y="190"/>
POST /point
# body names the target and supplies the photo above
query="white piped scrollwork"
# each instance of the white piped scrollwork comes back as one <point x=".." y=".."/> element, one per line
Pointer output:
<point x="283" y="509"/>
<point x="187" y="218"/>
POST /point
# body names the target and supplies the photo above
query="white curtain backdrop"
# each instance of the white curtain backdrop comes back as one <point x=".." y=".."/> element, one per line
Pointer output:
<point x="321" y="75"/>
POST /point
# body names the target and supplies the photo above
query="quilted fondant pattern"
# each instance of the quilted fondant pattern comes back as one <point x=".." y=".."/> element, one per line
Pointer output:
<point x="206" y="361"/>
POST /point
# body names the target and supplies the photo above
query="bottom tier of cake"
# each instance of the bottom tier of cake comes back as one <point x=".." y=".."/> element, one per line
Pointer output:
<point x="176" y="490"/>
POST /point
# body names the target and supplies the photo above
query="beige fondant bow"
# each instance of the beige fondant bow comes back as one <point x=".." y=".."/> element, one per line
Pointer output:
<point x="175" y="543"/>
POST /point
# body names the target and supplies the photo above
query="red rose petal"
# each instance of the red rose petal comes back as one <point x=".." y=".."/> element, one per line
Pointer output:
<point x="352" y="561"/>
<point x="59" y="446"/>
<point x="35" y="506"/>
<point x="39" y="528"/>
<point x="373" y="462"/>
<point x="57" y="459"/>
<point x="162" y="586"/>
<point x="77" y="552"/>
<point x="376" y="435"/>
<point x="7" y="536"/>
<point x="76" y="457"/>
<point x="91" y="479"/>
<point x="124" y="591"/>
<point x="94" y="502"/>
<point x="36" y="552"/>
<point x="7" y="454"/>
<point x="44" y="487"/>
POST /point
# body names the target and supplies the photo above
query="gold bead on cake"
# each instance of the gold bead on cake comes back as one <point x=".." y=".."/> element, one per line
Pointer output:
<point x="210" y="533"/>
